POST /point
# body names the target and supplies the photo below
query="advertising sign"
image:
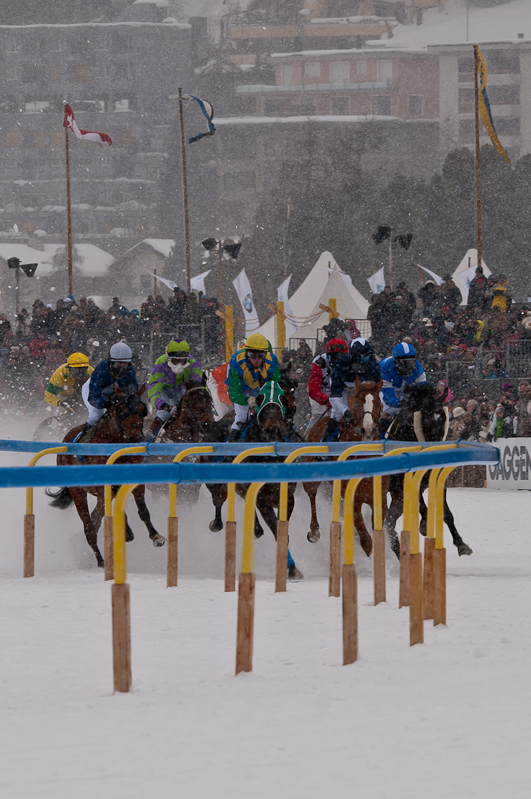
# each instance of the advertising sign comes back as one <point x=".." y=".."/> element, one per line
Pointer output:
<point x="514" y="468"/>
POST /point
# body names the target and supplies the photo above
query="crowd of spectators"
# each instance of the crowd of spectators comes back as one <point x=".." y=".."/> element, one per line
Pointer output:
<point x="39" y="341"/>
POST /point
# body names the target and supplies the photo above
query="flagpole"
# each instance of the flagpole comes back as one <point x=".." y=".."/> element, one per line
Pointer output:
<point x="478" y="155"/>
<point x="68" y="215"/>
<point x="185" y="193"/>
<point x="391" y="261"/>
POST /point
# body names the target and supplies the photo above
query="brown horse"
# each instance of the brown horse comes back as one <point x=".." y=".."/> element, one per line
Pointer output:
<point x="194" y="420"/>
<point x="122" y="424"/>
<point x="361" y="424"/>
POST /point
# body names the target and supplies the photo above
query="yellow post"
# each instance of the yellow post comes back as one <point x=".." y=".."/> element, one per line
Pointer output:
<point x="229" y="332"/>
<point x="439" y="553"/>
<point x="281" y="328"/>
<point x="350" y="578"/>
<point x="332" y="307"/>
<point x="121" y="614"/>
<point x="378" y="541"/>
<point x="246" y="586"/>
<point x="282" y="524"/>
<point x="107" y="519"/>
<point x="28" y="569"/>
<point x="173" y="521"/>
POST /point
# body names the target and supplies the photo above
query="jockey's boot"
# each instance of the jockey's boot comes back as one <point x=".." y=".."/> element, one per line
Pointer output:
<point x="331" y="427"/>
<point x="156" y="424"/>
<point x="384" y="423"/>
<point x="84" y="436"/>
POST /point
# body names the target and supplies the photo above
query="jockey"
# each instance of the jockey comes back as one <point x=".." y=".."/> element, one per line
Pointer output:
<point x="320" y="378"/>
<point x="401" y="369"/>
<point x="116" y="370"/>
<point x="67" y="380"/>
<point x="166" y="384"/>
<point x="359" y="363"/>
<point x="249" y="369"/>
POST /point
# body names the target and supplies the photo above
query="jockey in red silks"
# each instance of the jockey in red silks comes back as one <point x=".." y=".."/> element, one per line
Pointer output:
<point x="320" y="378"/>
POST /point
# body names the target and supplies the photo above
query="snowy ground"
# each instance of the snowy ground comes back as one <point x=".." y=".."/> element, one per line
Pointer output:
<point x="446" y="719"/>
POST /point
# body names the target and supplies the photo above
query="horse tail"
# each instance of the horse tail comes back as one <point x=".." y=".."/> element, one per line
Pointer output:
<point x="61" y="499"/>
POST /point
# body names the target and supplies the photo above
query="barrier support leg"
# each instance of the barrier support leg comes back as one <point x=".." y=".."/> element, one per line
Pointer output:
<point x="108" y="548"/>
<point x="173" y="552"/>
<point x="439" y="586"/>
<point x="350" y="613"/>
<point x="403" y="589"/>
<point x="29" y="545"/>
<point x="429" y="546"/>
<point x="378" y="557"/>
<point x="121" y="628"/>
<point x="230" y="556"/>
<point x="334" y="569"/>
<point x="281" y="572"/>
<point x="416" y="620"/>
<point x="245" y="632"/>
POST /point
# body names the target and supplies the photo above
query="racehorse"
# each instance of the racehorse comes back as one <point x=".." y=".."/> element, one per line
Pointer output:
<point x="360" y="424"/>
<point x="422" y="417"/>
<point x="122" y="424"/>
<point x="266" y="426"/>
<point x="194" y="419"/>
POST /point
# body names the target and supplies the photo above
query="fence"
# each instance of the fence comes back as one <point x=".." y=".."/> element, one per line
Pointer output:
<point x="414" y="584"/>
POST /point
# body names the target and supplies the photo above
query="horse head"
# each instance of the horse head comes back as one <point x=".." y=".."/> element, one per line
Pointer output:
<point x="197" y="411"/>
<point x="129" y="412"/>
<point x="288" y="384"/>
<point x="271" y="406"/>
<point x="429" y="414"/>
<point x="365" y="407"/>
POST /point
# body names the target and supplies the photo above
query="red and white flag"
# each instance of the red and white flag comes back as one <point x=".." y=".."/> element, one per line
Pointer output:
<point x="70" y="122"/>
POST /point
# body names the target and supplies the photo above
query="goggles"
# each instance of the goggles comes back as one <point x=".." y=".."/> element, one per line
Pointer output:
<point x="120" y="367"/>
<point x="256" y="354"/>
<point x="178" y="360"/>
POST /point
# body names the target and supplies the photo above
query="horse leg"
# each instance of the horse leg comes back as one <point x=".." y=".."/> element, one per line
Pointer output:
<point x="394" y="512"/>
<point x="99" y="511"/>
<point x="314" y="534"/>
<point x="462" y="548"/>
<point x="139" y="494"/>
<point x="79" y="495"/>
<point x="359" y="524"/>
<point x="219" y="495"/>
<point x="258" y="529"/>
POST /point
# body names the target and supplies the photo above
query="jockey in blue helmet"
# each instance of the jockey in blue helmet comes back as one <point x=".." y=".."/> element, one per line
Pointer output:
<point x="401" y="369"/>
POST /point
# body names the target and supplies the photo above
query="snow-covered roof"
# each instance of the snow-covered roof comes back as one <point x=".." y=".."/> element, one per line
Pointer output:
<point x="91" y="261"/>
<point x="163" y="246"/>
<point x="316" y="118"/>
<point x="164" y="24"/>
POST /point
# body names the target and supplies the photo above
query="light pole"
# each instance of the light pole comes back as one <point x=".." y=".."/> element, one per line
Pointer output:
<point x="215" y="246"/>
<point x="28" y="269"/>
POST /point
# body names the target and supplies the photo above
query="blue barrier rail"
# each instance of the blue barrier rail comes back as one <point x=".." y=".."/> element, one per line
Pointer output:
<point x="189" y="473"/>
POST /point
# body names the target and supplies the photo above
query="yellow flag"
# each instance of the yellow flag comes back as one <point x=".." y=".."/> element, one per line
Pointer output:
<point x="484" y="107"/>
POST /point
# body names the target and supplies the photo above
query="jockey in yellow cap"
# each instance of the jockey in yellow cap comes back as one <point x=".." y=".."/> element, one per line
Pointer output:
<point x="68" y="379"/>
<point x="249" y="369"/>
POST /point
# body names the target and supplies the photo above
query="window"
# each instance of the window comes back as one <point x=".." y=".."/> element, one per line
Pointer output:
<point x="55" y="43"/>
<point x="362" y="67"/>
<point x="234" y="181"/>
<point x="36" y="106"/>
<point x="39" y="139"/>
<point x="12" y="138"/>
<point x="312" y="69"/>
<point x="416" y="105"/>
<point x="339" y="72"/>
<point x="83" y="73"/>
<point x="504" y="95"/>
<point x="101" y="70"/>
<point x="384" y="71"/>
<point x="340" y="105"/>
<point x="465" y="66"/>
<point x="121" y="105"/>
<point x="128" y="138"/>
<point x="277" y="107"/>
<point x="381" y="105"/>
<point x="100" y="40"/>
<point x="56" y="137"/>
<point x="508" y="126"/>
<point x="503" y="61"/>
<point x="56" y="72"/>
<point x="466" y="131"/>
<point x="466" y="101"/>
<point x="123" y="72"/>
<point x="286" y="75"/>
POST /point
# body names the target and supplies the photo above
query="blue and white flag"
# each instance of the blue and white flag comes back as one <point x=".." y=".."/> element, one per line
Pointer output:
<point x="245" y="296"/>
<point x="377" y="281"/>
<point x="438" y="279"/>
<point x="208" y="112"/>
<point x="465" y="278"/>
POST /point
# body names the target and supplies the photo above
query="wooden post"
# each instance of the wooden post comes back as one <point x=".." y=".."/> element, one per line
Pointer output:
<point x="332" y="309"/>
<point x="350" y="613"/>
<point x="416" y="620"/>
<point x="121" y="637"/>
<point x="68" y="215"/>
<point x="220" y="254"/>
<point x="281" y="572"/>
<point x="281" y="329"/>
<point x="378" y="556"/>
<point x="229" y="332"/>
<point x="108" y="547"/>
<point x="230" y="556"/>
<point x="245" y="630"/>
<point x="173" y="548"/>
<point x="29" y="545"/>
<point x="155" y="283"/>
<point x="429" y="546"/>
<point x="403" y="589"/>
<point x="334" y="561"/>
<point x="391" y="260"/>
<point x="478" y="155"/>
<point x="439" y="586"/>
<point x="185" y="193"/>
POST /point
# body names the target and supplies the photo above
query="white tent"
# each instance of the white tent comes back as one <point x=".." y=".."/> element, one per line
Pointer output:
<point x="325" y="282"/>
<point x="470" y="260"/>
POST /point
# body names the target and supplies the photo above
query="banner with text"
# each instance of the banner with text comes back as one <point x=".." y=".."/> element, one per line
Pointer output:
<point x="514" y="468"/>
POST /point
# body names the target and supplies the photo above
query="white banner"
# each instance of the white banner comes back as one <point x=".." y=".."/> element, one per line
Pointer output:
<point x="282" y="296"/>
<point x="245" y="296"/>
<point x="197" y="283"/>
<point x="465" y="278"/>
<point x="169" y="283"/>
<point x="514" y="468"/>
<point x="377" y="281"/>
<point x="438" y="279"/>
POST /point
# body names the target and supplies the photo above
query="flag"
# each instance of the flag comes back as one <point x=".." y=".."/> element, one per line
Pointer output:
<point x="70" y="122"/>
<point x="197" y="283"/>
<point x="383" y="233"/>
<point x="377" y="281"/>
<point x="245" y="296"/>
<point x="465" y="278"/>
<point x="169" y="283"/>
<point x="282" y="296"/>
<point x="208" y="113"/>
<point x="437" y="279"/>
<point x="484" y="106"/>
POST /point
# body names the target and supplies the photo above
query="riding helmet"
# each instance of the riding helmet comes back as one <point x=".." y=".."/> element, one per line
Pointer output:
<point x="77" y="360"/>
<point x="404" y="357"/>
<point x="257" y="341"/>
<point x="120" y="352"/>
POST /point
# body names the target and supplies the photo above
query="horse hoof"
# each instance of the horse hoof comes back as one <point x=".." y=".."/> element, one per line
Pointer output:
<point x="294" y="574"/>
<point x="463" y="549"/>
<point x="129" y="535"/>
<point x="258" y="533"/>
<point x="215" y="527"/>
<point x="158" y="541"/>
<point x="394" y="543"/>
<point x="101" y="564"/>
<point x="314" y="536"/>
